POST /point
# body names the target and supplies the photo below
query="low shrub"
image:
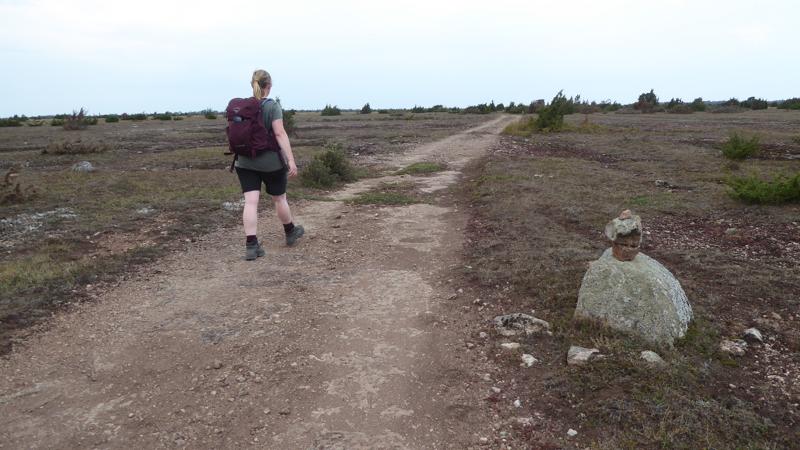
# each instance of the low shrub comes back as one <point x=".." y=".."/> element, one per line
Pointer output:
<point x="177" y="118"/>
<point x="733" y="101"/>
<point x="209" y="114"/>
<point x="56" y="122"/>
<point x="289" y="123"/>
<point x="112" y="118"/>
<point x="77" y="121"/>
<point x="331" y="111"/>
<point x="328" y="168"/>
<point x="698" y="104"/>
<point x="76" y="147"/>
<point x="647" y="102"/>
<point x="755" y="103"/>
<point x="366" y="109"/>
<point x="727" y="109"/>
<point x="781" y="189"/>
<point x="317" y="175"/>
<point x="137" y="116"/>
<point x="164" y="116"/>
<point x="609" y="106"/>
<point x="677" y="106"/>
<point x="11" y="122"/>
<point x="551" y="117"/>
<point x="737" y="147"/>
<point x="791" y="103"/>
<point x="796" y="139"/>
<point x="36" y="123"/>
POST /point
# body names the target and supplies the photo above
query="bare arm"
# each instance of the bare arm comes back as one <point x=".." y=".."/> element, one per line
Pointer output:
<point x="286" y="146"/>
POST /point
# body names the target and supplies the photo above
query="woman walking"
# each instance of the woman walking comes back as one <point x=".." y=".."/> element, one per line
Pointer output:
<point x="270" y="168"/>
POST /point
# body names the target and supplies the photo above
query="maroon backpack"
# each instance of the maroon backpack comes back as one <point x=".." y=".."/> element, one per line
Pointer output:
<point x="247" y="133"/>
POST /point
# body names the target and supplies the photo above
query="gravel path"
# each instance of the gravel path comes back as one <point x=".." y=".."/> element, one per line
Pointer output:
<point x="344" y="341"/>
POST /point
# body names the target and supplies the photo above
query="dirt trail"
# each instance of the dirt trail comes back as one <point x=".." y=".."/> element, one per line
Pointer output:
<point x="344" y="341"/>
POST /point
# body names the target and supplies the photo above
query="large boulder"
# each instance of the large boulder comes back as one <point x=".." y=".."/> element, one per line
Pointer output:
<point x="639" y="296"/>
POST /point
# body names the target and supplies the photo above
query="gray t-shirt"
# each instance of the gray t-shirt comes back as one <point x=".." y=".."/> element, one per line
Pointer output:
<point x="267" y="161"/>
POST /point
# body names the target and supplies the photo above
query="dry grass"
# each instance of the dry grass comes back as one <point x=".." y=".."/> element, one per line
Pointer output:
<point x="75" y="147"/>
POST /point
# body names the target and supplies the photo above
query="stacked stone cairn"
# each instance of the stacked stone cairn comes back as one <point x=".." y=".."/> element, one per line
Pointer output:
<point x="631" y="292"/>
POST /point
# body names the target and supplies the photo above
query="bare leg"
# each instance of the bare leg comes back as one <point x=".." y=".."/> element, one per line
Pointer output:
<point x="282" y="208"/>
<point x="250" y="213"/>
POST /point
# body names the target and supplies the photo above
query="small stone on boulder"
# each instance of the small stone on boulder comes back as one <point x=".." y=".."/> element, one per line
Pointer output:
<point x="513" y="324"/>
<point x="625" y="233"/>
<point x="580" y="355"/>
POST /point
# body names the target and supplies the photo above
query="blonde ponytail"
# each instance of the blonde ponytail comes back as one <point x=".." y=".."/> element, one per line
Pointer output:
<point x="260" y="82"/>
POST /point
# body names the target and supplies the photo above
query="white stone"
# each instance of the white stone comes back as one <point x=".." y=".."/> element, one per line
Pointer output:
<point x="639" y="296"/>
<point x="753" y="335"/>
<point x="83" y="166"/>
<point x="572" y="433"/>
<point x="513" y="324"/>
<point x="580" y="355"/>
<point x="652" y="358"/>
<point x="528" y="360"/>
<point x="510" y="345"/>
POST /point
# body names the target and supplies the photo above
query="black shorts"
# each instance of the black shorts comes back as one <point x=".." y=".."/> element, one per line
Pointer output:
<point x="251" y="180"/>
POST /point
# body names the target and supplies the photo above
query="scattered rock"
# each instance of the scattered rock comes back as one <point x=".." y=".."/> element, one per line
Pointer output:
<point x="775" y="316"/>
<point x="510" y="345"/>
<point x="736" y="347"/>
<point x="233" y="206"/>
<point x="580" y="355"/>
<point x="217" y="364"/>
<point x="652" y="358"/>
<point x="483" y="335"/>
<point x="517" y="403"/>
<point x="572" y="433"/>
<point x="639" y="296"/>
<point x="730" y="231"/>
<point x="665" y="184"/>
<point x="83" y="166"/>
<point x="470" y="345"/>
<point x="528" y="360"/>
<point x="513" y="324"/>
<point x="496" y="390"/>
<point x="752" y="335"/>
<point x="145" y="210"/>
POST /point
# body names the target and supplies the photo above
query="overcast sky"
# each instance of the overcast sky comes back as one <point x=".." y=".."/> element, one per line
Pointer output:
<point x="113" y="57"/>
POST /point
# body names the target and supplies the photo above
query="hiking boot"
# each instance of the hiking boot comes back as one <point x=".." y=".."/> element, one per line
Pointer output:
<point x="253" y="251"/>
<point x="294" y="235"/>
